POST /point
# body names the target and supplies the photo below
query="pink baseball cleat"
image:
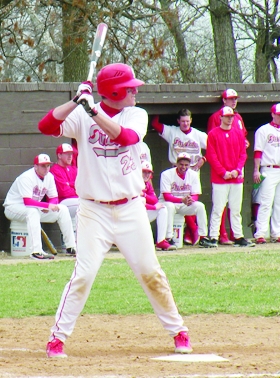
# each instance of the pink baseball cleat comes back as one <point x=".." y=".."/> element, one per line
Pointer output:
<point x="182" y="343"/>
<point x="55" y="349"/>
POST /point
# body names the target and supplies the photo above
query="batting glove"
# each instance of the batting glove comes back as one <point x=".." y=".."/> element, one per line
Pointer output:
<point x="87" y="101"/>
<point x="84" y="87"/>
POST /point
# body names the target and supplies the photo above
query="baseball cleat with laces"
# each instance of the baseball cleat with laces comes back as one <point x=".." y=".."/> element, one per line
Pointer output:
<point x="182" y="343"/>
<point x="165" y="246"/>
<point x="41" y="256"/>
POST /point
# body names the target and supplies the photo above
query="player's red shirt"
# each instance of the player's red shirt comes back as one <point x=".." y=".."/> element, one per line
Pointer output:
<point x="150" y="196"/>
<point x="226" y="151"/>
<point x="215" y="121"/>
<point x="65" y="181"/>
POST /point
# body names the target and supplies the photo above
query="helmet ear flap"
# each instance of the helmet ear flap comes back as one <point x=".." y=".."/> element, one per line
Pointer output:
<point x="119" y="94"/>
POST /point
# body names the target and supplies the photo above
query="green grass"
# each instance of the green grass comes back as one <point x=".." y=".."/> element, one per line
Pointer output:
<point x="232" y="283"/>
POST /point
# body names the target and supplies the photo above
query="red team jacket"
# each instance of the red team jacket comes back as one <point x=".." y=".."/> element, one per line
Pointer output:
<point x="65" y="181"/>
<point x="150" y="196"/>
<point x="226" y="151"/>
<point x="215" y="121"/>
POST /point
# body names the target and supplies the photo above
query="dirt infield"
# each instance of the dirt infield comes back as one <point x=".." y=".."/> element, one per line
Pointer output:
<point x="123" y="346"/>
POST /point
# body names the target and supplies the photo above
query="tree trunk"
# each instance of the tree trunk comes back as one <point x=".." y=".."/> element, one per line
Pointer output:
<point x="74" y="45"/>
<point x="262" y="72"/>
<point x="228" y="68"/>
<point x="171" y="19"/>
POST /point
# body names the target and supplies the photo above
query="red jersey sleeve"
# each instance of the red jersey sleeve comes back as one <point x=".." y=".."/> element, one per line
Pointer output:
<point x="157" y="125"/>
<point x="213" y="121"/>
<point x="150" y="195"/>
<point x="50" y="125"/>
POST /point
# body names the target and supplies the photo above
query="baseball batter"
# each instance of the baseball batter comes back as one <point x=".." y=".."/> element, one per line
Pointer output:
<point x="25" y="203"/>
<point x="109" y="184"/>
<point x="267" y="162"/>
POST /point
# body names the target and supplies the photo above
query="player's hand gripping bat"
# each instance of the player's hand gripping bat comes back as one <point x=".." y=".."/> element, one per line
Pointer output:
<point x="97" y="46"/>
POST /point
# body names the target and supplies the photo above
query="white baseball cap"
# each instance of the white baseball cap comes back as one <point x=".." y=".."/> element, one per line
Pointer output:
<point x="183" y="155"/>
<point x="42" y="159"/>
<point x="275" y="109"/>
<point x="64" y="147"/>
<point x="229" y="93"/>
<point x="147" y="166"/>
<point x="227" y="111"/>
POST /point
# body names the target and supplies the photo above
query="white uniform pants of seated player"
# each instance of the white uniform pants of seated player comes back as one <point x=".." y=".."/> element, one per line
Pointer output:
<point x="72" y="204"/>
<point x="34" y="216"/>
<point x="221" y="195"/>
<point x="161" y="217"/>
<point x="269" y="199"/>
<point x="127" y="226"/>
<point x="196" y="208"/>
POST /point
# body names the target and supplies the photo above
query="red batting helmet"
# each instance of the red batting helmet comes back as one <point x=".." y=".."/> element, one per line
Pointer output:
<point x="113" y="79"/>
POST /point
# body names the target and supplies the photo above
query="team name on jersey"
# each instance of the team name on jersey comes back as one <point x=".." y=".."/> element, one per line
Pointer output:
<point x="273" y="140"/>
<point x="180" y="190"/>
<point x="38" y="194"/>
<point x="190" y="145"/>
<point x="99" y="138"/>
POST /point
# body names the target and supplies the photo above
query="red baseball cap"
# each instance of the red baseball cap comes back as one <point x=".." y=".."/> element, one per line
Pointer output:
<point x="275" y="109"/>
<point x="229" y="93"/>
<point x="227" y="111"/>
<point x="64" y="147"/>
<point x="42" y="159"/>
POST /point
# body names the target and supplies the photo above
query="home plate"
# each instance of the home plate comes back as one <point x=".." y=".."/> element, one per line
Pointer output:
<point x="192" y="358"/>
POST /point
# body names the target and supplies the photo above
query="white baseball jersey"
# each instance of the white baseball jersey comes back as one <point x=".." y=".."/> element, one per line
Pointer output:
<point x="170" y="182"/>
<point x="107" y="171"/>
<point x="267" y="140"/>
<point x="192" y="143"/>
<point x="145" y="153"/>
<point x="29" y="185"/>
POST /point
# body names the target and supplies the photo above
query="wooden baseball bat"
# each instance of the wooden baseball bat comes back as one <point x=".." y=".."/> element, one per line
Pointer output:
<point x="96" y="50"/>
<point x="97" y="47"/>
<point x="48" y="242"/>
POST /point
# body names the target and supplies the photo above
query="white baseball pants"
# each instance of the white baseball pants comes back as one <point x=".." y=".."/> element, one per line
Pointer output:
<point x="197" y="208"/>
<point x="269" y="200"/>
<point x="127" y="226"/>
<point x="72" y="204"/>
<point x="33" y="217"/>
<point x="221" y="195"/>
<point x="161" y="217"/>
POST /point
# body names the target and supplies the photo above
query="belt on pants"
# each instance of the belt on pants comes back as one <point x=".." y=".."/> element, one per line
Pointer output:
<point x="114" y="203"/>
<point x="273" y="166"/>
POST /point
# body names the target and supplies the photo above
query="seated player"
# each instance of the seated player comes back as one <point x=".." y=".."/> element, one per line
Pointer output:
<point x="156" y="210"/>
<point x="65" y="175"/>
<point x="179" y="191"/>
<point x="184" y="138"/>
<point x="25" y="203"/>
